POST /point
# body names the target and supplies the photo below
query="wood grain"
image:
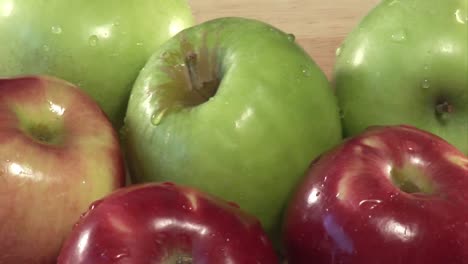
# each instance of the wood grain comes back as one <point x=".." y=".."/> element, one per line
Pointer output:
<point x="319" y="26"/>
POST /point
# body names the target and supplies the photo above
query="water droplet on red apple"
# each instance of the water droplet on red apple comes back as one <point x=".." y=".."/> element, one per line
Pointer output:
<point x="369" y="204"/>
<point x="121" y="256"/>
<point x="95" y="204"/>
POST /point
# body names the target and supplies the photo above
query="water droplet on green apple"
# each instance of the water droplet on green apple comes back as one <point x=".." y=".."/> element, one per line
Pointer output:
<point x="139" y="44"/>
<point x="291" y="37"/>
<point x="461" y="16"/>
<point x="157" y="117"/>
<point x="425" y="84"/>
<point x="338" y="52"/>
<point x="306" y="72"/>
<point x="93" y="40"/>
<point x="342" y="115"/>
<point x="399" y="36"/>
<point x="56" y="29"/>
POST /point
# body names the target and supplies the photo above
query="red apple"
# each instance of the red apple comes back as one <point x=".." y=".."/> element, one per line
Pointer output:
<point x="58" y="153"/>
<point x="392" y="194"/>
<point x="166" y="223"/>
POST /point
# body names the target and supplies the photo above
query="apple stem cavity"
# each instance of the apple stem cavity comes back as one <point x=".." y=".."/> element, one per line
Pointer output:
<point x="410" y="179"/>
<point x="44" y="134"/>
<point x="184" y="260"/>
<point x="443" y="109"/>
<point x="203" y="88"/>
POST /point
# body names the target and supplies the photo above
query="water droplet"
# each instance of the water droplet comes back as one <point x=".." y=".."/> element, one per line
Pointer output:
<point x="93" y="40"/>
<point x="83" y="182"/>
<point x="369" y="204"/>
<point x="399" y="36"/>
<point x="342" y="115"/>
<point x="121" y="256"/>
<point x="46" y="48"/>
<point x="426" y="67"/>
<point x="56" y="29"/>
<point x="425" y="84"/>
<point x="461" y="16"/>
<point x="117" y="23"/>
<point x="139" y="44"/>
<point x="338" y="52"/>
<point x="291" y="37"/>
<point x="227" y="239"/>
<point x="95" y="204"/>
<point x="157" y="117"/>
<point x="306" y="72"/>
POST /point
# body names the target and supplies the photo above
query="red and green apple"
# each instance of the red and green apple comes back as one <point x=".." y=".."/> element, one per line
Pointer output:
<point x="58" y="153"/>
<point x="98" y="45"/>
<point x="407" y="63"/>
<point x="390" y="195"/>
<point x="166" y="223"/>
<point x="234" y="107"/>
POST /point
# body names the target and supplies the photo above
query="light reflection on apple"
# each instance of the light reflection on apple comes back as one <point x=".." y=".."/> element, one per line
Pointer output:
<point x="7" y="8"/>
<point x="103" y="31"/>
<point x="18" y="170"/>
<point x="336" y="232"/>
<point x="57" y="109"/>
<point x="161" y="224"/>
<point x="397" y="230"/>
<point x="244" y="117"/>
<point x="176" y="26"/>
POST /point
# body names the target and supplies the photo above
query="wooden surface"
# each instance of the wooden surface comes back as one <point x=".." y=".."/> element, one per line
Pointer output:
<point x="319" y="25"/>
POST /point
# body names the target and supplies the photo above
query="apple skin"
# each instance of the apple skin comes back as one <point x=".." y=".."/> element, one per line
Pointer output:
<point x="406" y="63"/>
<point x="166" y="223"/>
<point x="58" y="153"/>
<point x="98" y="45"/>
<point x="229" y="106"/>
<point x="357" y="203"/>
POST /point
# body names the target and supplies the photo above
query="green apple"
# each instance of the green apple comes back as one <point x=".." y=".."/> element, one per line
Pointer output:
<point x="97" y="45"/>
<point x="407" y="63"/>
<point x="234" y="107"/>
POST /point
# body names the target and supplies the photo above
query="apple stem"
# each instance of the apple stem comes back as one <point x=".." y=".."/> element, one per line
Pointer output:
<point x="443" y="108"/>
<point x="191" y="63"/>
